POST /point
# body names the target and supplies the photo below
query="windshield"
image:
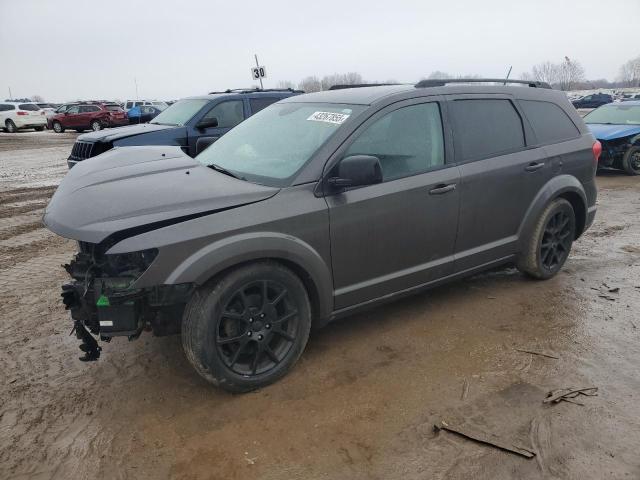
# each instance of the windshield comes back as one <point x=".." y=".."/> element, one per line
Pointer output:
<point x="271" y="146"/>
<point x="180" y="112"/>
<point x="615" y="114"/>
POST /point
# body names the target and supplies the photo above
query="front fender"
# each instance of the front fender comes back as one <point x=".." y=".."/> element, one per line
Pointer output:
<point x="556" y="187"/>
<point x="228" y="252"/>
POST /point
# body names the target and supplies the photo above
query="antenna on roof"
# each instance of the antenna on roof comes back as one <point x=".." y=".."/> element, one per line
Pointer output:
<point x="508" y="73"/>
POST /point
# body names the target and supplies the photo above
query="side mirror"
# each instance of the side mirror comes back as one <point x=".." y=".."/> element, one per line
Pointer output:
<point x="207" y="123"/>
<point x="357" y="170"/>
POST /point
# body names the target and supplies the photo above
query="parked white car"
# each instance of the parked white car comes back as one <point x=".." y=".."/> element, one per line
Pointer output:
<point x="18" y="115"/>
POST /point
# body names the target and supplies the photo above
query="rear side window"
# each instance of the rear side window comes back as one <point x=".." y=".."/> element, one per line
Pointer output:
<point x="89" y="108"/>
<point x="29" y="106"/>
<point x="258" y="104"/>
<point x="485" y="128"/>
<point x="113" y="108"/>
<point x="5" y="107"/>
<point x="129" y="105"/>
<point x="550" y="123"/>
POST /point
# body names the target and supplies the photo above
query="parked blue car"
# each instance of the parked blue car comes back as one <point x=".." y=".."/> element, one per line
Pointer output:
<point x="192" y="123"/>
<point x="617" y="127"/>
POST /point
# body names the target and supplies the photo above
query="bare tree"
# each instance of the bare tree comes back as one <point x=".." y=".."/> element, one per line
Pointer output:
<point x="546" y="72"/>
<point x="286" y="84"/>
<point x="438" y="75"/>
<point x="630" y="73"/>
<point x="37" y="98"/>
<point x="310" y="84"/>
<point x="351" y="78"/>
<point x="570" y="74"/>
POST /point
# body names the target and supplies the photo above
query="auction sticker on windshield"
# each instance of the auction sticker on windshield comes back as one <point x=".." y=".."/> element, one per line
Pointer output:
<point x="329" y="117"/>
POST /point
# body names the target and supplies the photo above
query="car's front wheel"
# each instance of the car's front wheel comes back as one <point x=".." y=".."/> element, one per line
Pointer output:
<point x="96" y="125"/>
<point x="10" y="127"/>
<point x="57" y="127"/>
<point x="631" y="161"/>
<point x="548" y="247"/>
<point x="247" y="329"/>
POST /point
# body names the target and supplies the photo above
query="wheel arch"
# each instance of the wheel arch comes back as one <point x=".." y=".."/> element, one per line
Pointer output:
<point x="227" y="254"/>
<point x="562" y="186"/>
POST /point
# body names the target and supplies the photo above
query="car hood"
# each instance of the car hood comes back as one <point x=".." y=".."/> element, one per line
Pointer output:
<point x="141" y="188"/>
<point x="610" y="132"/>
<point x="122" y="132"/>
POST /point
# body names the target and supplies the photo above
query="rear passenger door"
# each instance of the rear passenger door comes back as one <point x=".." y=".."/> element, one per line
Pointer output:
<point x="500" y="176"/>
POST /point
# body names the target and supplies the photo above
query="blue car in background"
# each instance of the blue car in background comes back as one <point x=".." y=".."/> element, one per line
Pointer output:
<point x="617" y="127"/>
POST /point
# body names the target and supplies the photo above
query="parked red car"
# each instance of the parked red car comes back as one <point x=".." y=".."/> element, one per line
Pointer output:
<point x="89" y="116"/>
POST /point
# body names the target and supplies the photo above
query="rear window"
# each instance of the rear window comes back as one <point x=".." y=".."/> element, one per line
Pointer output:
<point x="258" y="104"/>
<point x="29" y="106"/>
<point x="113" y="108"/>
<point x="550" y="123"/>
<point x="485" y="128"/>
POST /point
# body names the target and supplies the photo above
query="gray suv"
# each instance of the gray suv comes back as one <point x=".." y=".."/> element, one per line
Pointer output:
<point x="316" y="207"/>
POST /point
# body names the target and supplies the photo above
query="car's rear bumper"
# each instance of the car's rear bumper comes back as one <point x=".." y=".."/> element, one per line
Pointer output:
<point x="24" y="121"/>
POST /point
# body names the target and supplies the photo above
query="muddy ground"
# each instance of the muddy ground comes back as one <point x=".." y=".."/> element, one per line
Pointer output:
<point x="363" y="399"/>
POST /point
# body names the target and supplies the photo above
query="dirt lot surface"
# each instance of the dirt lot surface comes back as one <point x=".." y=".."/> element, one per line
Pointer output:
<point x="362" y="402"/>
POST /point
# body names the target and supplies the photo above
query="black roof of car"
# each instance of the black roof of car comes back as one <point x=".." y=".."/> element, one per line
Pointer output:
<point x="244" y="91"/>
<point x="369" y="95"/>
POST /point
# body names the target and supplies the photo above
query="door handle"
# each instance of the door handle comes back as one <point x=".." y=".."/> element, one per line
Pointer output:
<point x="441" y="189"/>
<point x="534" y="166"/>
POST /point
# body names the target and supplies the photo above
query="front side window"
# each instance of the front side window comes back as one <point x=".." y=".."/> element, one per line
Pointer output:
<point x="129" y="105"/>
<point x="74" y="109"/>
<point x="229" y="114"/>
<point x="271" y="146"/>
<point x="485" y="128"/>
<point x="407" y="141"/>
<point x="550" y="123"/>
<point x="180" y="112"/>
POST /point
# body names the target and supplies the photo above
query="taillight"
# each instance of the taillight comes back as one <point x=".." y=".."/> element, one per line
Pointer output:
<point x="23" y="113"/>
<point x="597" y="151"/>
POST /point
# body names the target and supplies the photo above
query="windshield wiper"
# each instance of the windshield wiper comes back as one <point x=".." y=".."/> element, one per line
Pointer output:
<point x="220" y="169"/>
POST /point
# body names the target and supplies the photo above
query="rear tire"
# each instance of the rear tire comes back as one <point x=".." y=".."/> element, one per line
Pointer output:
<point x="247" y="329"/>
<point x="548" y="247"/>
<point x="57" y="127"/>
<point x="96" y="126"/>
<point x="10" y="127"/>
<point x="631" y="161"/>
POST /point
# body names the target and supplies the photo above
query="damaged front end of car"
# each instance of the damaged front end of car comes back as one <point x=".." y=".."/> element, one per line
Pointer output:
<point x="104" y="301"/>
<point x="613" y="151"/>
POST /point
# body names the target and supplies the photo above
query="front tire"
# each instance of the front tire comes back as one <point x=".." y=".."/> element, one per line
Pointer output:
<point x="631" y="161"/>
<point x="548" y="247"/>
<point x="57" y="127"/>
<point x="10" y="127"/>
<point x="247" y="329"/>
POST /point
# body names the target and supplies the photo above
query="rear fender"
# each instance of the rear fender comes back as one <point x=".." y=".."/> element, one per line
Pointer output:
<point x="560" y="186"/>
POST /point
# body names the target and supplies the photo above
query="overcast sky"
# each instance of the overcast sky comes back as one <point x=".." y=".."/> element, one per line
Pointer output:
<point x="68" y="49"/>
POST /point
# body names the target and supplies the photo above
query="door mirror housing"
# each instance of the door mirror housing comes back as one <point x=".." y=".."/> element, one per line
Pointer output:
<point x="207" y="123"/>
<point x="356" y="171"/>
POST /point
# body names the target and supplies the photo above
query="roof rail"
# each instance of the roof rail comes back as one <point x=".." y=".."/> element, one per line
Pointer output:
<point x="359" y="85"/>
<point x="257" y="90"/>
<point x="504" y="81"/>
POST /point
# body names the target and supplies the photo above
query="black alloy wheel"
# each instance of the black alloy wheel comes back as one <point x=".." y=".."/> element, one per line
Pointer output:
<point x="257" y="327"/>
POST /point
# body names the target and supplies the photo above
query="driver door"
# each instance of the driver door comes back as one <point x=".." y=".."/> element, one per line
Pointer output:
<point x="228" y="113"/>
<point x="398" y="234"/>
